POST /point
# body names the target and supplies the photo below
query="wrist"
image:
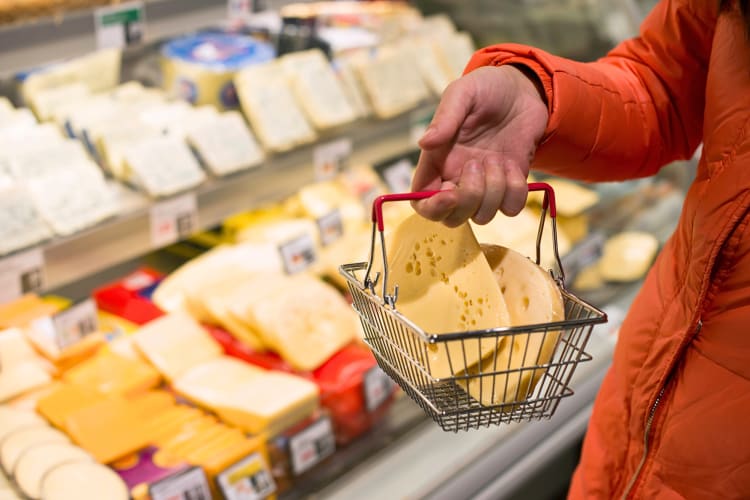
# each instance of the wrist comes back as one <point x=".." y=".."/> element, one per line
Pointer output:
<point x="533" y="79"/>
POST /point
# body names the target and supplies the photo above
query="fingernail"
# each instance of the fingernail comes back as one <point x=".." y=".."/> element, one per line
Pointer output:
<point x="428" y="133"/>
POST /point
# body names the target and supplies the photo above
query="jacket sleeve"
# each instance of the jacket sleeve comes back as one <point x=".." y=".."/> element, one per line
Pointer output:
<point x="631" y="112"/>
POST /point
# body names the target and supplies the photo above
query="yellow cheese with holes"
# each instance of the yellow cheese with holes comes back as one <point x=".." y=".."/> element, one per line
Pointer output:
<point x="35" y="462"/>
<point x="445" y="285"/>
<point x="65" y="481"/>
<point x="14" y="445"/>
<point x="532" y="297"/>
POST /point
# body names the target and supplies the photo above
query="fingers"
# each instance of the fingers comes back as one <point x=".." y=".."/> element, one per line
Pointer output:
<point x="454" y="107"/>
<point x="494" y="182"/>
<point x="470" y="192"/>
<point x="516" y="190"/>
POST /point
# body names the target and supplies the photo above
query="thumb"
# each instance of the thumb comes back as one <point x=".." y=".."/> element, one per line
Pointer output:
<point x="450" y="114"/>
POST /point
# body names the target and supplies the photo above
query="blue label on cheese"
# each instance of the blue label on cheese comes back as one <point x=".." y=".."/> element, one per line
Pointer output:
<point x="219" y="52"/>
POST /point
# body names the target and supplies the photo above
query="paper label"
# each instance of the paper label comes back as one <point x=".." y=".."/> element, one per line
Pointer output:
<point x="174" y="219"/>
<point x="21" y="273"/>
<point x="397" y="175"/>
<point x="248" y="479"/>
<point x="119" y="25"/>
<point x="75" y="323"/>
<point x="190" y="484"/>
<point x="330" y="158"/>
<point x="311" y="445"/>
<point x="331" y="227"/>
<point x="298" y="253"/>
<point x="377" y="386"/>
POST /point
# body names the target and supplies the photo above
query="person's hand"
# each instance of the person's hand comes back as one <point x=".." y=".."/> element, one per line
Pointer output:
<point x="479" y="146"/>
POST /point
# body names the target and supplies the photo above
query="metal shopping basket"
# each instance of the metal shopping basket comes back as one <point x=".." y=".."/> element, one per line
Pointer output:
<point x="402" y="348"/>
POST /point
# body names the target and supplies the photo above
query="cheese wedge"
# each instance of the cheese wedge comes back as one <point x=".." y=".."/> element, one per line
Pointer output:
<point x="14" y="445"/>
<point x="83" y="481"/>
<point x="532" y="297"/>
<point x="445" y="286"/>
<point x="35" y="462"/>
<point x="175" y="343"/>
<point x="224" y="143"/>
<point x="627" y="256"/>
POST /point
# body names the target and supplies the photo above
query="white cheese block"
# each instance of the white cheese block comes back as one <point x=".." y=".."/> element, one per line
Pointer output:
<point x="30" y="163"/>
<point x="280" y="231"/>
<point x="445" y="286"/>
<point x="15" y="349"/>
<point x="6" y="107"/>
<point x="224" y="143"/>
<point x="46" y="102"/>
<point x="17" y="119"/>
<point x="112" y="138"/>
<point x="627" y="256"/>
<point x="14" y="445"/>
<point x="36" y="461"/>
<point x="163" y="166"/>
<point x="425" y="57"/>
<point x="269" y="103"/>
<point x="532" y="297"/>
<point x="22" y="378"/>
<point x="169" y="117"/>
<point x="317" y="88"/>
<point x="12" y="419"/>
<point x="455" y="51"/>
<point x="83" y="481"/>
<point x="20" y="223"/>
<point x="175" y="343"/>
<point x="346" y="71"/>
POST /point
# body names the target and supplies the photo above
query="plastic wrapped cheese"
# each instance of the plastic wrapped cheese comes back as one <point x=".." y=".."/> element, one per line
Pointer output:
<point x="46" y="102"/>
<point x="533" y="297"/>
<point x="83" y="481"/>
<point x="16" y="443"/>
<point x="35" y="462"/>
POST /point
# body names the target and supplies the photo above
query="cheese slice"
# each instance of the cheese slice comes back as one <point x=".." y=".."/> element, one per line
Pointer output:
<point x="175" y="343"/>
<point x="225" y="144"/>
<point x="35" y="462"/>
<point x="12" y="419"/>
<point x="65" y="482"/>
<point x="532" y="297"/>
<point x="627" y="256"/>
<point x="65" y="400"/>
<point x="14" y="445"/>
<point x="22" y="378"/>
<point x="445" y="285"/>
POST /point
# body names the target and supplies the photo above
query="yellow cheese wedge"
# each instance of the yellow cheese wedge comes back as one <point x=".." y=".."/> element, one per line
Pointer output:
<point x="14" y="445"/>
<point x="532" y="297"/>
<point x="83" y="481"/>
<point x="445" y="285"/>
<point x="35" y="462"/>
<point x="12" y="419"/>
<point x="110" y="373"/>
<point x="175" y="343"/>
<point x="627" y="256"/>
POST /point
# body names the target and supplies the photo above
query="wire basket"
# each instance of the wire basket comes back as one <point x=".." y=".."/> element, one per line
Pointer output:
<point x="515" y="392"/>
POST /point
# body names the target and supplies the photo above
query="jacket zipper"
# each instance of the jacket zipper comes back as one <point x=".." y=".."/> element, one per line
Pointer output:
<point x="647" y="429"/>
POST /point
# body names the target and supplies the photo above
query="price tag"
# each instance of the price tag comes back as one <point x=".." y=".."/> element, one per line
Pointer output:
<point x="119" y="25"/>
<point x="21" y="273"/>
<point x="330" y="158"/>
<point x="298" y="253"/>
<point x="582" y="255"/>
<point x="331" y="227"/>
<point x="188" y="484"/>
<point x="397" y="175"/>
<point x="174" y="219"/>
<point x="248" y="479"/>
<point x="377" y="386"/>
<point x="311" y="445"/>
<point x="75" y="323"/>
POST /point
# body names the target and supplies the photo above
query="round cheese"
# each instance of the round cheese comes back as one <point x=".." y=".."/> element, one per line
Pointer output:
<point x="19" y="441"/>
<point x="12" y="420"/>
<point x="83" y="481"/>
<point x="35" y="462"/>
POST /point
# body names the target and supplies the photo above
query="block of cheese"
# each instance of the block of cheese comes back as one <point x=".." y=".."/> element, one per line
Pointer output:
<point x="21" y="225"/>
<point x="65" y="400"/>
<point x="249" y="397"/>
<point x="12" y="419"/>
<point x="35" y="462"/>
<point x="110" y="373"/>
<point x="345" y="69"/>
<point x="425" y="55"/>
<point x="224" y="143"/>
<point x="445" y="286"/>
<point x="17" y="119"/>
<point x="454" y="51"/>
<point x="16" y="443"/>
<point x="175" y="343"/>
<point x="162" y="166"/>
<point x="45" y="102"/>
<point x="533" y="297"/>
<point x="22" y="311"/>
<point x="49" y="158"/>
<point x="627" y="256"/>
<point x="64" y="481"/>
<point x="317" y="88"/>
<point x="302" y="318"/>
<point x="22" y="378"/>
<point x="321" y="198"/>
<point x="269" y="103"/>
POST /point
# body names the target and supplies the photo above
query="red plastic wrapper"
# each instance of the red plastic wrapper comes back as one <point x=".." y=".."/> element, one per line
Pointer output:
<point x="129" y="298"/>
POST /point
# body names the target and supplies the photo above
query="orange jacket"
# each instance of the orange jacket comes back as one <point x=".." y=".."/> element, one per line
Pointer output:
<point x="672" y="418"/>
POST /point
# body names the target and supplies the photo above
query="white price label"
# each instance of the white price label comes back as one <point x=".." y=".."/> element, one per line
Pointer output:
<point x="330" y="158"/>
<point x="398" y="176"/>
<point x="119" y="25"/>
<point x="75" y="323"/>
<point x="311" y="445"/>
<point x="248" y="479"/>
<point x="298" y="253"/>
<point x="174" y="219"/>
<point x="21" y="273"/>
<point x="190" y="484"/>
<point x="378" y="387"/>
<point x="331" y="227"/>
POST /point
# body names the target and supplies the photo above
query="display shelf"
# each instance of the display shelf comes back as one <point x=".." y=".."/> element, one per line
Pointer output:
<point x="128" y="236"/>
<point x="38" y="42"/>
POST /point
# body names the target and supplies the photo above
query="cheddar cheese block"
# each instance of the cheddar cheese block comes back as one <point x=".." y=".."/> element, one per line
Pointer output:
<point x="532" y="297"/>
<point x="35" y="462"/>
<point x="110" y="373"/>
<point x="83" y="481"/>
<point x="445" y="285"/>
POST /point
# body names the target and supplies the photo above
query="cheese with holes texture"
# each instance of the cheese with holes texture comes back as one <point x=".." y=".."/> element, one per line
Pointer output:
<point x="20" y="440"/>
<point x="35" y="462"/>
<point x="445" y="285"/>
<point x="83" y="481"/>
<point x="532" y="297"/>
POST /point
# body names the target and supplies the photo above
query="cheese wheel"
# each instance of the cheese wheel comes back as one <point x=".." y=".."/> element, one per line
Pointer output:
<point x="12" y="420"/>
<point x="532" y="297"/>
<point x="36" y="461"/>
<point x="16" y="443"/>
<point x="83" y="481"/>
